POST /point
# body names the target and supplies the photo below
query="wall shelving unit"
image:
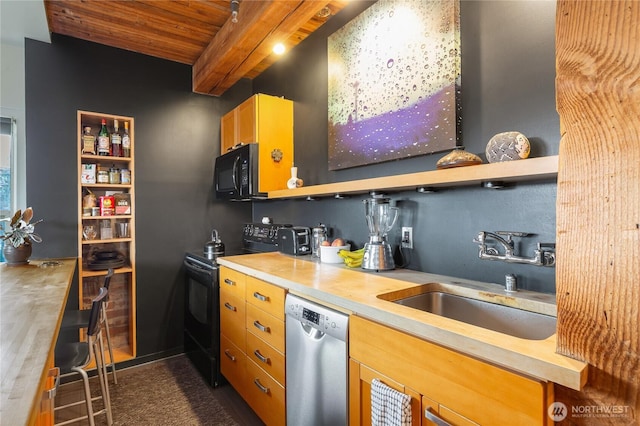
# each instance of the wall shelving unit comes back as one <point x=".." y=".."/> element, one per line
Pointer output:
<point x="122" y="291"/>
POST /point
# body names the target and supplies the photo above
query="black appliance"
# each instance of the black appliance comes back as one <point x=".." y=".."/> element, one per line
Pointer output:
<point x="294" y="240"/>
<point x="260" y="237"/>
<point x="202" y="316"/>
<point x="236" y="174"/>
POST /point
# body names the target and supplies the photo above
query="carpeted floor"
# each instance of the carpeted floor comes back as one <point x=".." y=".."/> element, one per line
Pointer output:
<point x="167" y="392"/>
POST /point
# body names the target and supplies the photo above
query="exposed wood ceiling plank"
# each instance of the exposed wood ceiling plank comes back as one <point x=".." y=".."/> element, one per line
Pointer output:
<point x="294" y="20"/>
<point x="236" y="41"/>
<point x="194" y="32"/>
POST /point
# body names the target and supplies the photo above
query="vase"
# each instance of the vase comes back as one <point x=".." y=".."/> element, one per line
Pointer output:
<point x="16" y="255"/>
<point x="294" y="181"/>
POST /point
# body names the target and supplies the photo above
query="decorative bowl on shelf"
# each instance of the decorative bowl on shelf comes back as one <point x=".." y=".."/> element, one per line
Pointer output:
<point x="507" y="146"/>
<point x="458" y="158"/>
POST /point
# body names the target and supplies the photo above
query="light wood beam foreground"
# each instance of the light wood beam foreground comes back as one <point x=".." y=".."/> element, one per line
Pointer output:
<point x="598" y="204"/>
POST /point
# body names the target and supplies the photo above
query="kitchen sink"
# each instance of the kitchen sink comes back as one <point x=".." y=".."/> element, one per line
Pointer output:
<point x="510" y="320"/>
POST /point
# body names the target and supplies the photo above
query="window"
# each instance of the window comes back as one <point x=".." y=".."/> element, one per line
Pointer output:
<point x="7" y="180"/>
<point x="7" y="183"/>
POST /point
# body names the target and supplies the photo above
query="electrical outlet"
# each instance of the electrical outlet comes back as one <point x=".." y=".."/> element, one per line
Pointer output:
<point x="407" y="237"/>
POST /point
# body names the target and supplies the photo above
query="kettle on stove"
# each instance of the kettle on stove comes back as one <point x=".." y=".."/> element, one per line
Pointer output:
<point x="214" y="248"/>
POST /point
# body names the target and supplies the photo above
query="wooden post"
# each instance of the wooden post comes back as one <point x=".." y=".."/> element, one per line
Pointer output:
<point x="598" y="206"/>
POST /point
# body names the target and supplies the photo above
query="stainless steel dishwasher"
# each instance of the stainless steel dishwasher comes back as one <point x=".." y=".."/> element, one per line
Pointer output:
<point x="316" y="364"/>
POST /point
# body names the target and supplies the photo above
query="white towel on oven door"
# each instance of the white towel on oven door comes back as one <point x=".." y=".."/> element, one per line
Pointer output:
<point x="388" y="406"/>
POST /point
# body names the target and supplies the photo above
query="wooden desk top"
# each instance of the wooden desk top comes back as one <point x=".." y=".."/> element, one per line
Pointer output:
<point x="32" y="302"/>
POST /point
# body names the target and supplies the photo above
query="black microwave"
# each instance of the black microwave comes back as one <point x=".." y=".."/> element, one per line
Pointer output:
<point x="236" y="174"/>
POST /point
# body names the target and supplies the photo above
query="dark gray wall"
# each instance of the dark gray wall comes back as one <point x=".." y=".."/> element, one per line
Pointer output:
<point x="508" y="72"/>
<point x="176" y="137"/>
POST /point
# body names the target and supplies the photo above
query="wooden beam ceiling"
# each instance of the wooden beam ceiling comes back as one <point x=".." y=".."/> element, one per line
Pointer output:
<point x="195" y="32"/>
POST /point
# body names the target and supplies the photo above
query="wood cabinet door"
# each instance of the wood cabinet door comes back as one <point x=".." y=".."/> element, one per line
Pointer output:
<point x="266" y="297"/>
<point x="266" y="357"/>
<point x="232" y="319"/>
<point x="266" y="327"/>
<point x="360" y="377"/>
<point x="246" y="121"/>
<point x="265" y="395"/>
<point x="232" y="282"/>
<point x="233" y="365"/>
<point x="227" y="131"/>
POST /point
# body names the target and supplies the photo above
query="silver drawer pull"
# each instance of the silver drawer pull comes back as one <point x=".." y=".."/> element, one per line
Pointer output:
<point x="431" y="415"/>
<point x="229" y="307"/>
<point x="261" y="327"/>
<point x="228" y="281"/>
<point x="228" y="354"/>
<point x="51" y="393"/>
<point x="261" y="357"/>
<point x="259" y="385"/>
<point x="260" y="296"/>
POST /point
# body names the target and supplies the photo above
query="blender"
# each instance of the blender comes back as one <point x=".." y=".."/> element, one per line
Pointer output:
<point x="381" y="217"/>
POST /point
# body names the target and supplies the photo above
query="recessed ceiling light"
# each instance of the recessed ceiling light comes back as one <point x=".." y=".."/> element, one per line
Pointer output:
<point x="278" y="49"/>
<point x="324" y="12"/>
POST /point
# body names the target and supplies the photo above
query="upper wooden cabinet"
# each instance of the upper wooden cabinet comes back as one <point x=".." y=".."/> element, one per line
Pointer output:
<point x="268" y="121"/>
<point x="260" y="119"/>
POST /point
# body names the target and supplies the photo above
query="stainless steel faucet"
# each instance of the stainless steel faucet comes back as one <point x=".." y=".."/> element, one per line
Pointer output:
<point x="544" y="255"/>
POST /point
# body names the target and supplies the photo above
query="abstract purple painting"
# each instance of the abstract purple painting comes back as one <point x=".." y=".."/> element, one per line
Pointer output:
<point x="394" y="83"/>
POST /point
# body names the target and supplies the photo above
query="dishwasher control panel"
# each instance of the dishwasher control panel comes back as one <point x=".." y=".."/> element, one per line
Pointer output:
<point x="320" y="317"/>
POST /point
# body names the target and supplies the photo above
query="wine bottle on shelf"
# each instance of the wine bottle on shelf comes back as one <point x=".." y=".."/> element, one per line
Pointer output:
<point x="104" y="147"/>
<point x="116" y="140"/>
<point x="126" y="142"/>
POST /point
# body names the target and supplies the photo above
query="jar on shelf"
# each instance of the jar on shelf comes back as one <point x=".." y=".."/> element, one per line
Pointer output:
<point x="125" y="176"/>
<point x="114" y="175"/>
<point x="102" y="176"/>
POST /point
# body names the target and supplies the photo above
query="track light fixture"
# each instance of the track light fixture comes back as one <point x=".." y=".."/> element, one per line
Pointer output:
<point x="235" y="7"/>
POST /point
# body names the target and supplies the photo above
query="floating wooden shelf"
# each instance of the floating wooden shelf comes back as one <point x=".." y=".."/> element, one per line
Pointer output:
<point x="123" y="270"/>
<point x="540" y="168"/>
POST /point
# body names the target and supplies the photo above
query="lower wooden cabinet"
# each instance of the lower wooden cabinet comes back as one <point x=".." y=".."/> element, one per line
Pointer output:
<point x="233" y="363"/>
<point x="360" y="377"/>
<point x="45" y="412"/>
<point x="265" y="395"/>
<point x="252" y="343"/>
<point x="454" y="387"/>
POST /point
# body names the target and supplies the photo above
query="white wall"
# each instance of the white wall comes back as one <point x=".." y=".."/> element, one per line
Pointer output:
<point x="19" y="19"/>
<point x="12" y="104"/>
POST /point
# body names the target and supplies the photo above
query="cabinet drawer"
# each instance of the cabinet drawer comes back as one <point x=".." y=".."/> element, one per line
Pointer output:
<point x="266" y="357"/>
<point x="463" y="384"/>
<point x="265" y="395"/>
<point x="233" y="364"/>
<point x="232" y="282"/>
<point x="265" y="327"/>
<point x="232" y="319"/>
<point x="265" y="296"/>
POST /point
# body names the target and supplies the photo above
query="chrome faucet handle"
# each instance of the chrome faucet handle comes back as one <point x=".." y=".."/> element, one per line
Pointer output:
<point x="510" y="234"/>
<point x="546" y="245"/>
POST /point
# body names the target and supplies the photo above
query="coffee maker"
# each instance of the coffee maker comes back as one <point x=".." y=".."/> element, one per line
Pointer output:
<point x="378" y="254"/>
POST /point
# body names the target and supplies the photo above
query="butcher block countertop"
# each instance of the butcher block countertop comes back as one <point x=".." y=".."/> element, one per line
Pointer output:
<point x="32" y="301"/>
<point x="356" y="291"/>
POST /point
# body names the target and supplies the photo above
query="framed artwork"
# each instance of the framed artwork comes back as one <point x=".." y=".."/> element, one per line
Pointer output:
<point x="394" y="83"/>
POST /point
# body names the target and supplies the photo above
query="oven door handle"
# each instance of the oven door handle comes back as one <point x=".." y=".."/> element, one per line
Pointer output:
<point x="193" y="266"/>
<point x="197" y="269"/>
